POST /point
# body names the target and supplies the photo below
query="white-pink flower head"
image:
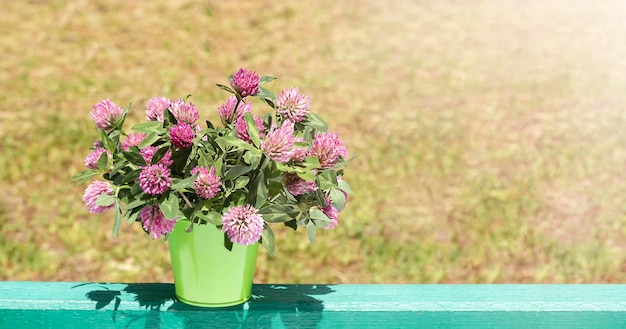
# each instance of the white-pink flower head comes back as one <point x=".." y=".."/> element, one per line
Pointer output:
<point x="91" y="161"/>
<point x="207" y="184"/>
<point x="298" y="186"/>
<point x="181" y="135"/>
<point x="184" y="112"/>
<point x="293" y="105"/>
<point x="155" y="179"/>
<point x="106" y="115"/>
<point x="278" y="144"/>
<point x="93" y="192"/>
<point x="132" y="140"/>
<point x="328" y="149"/>
<point x="300" y="153"/>
<point x="156" y="108"/>
<point x="229" y="114"/>
<point x="243" y="225"/>
<point x="331" y="212"/>
<point x="154" y="222"/>
<point x="242" y="128"/>
<point x="148" y="153"/>
<point x="245" y="82"/>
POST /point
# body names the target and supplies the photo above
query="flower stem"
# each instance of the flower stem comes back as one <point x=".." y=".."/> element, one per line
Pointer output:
<point x="232" y="118"/>
<point x="182" y="195"/>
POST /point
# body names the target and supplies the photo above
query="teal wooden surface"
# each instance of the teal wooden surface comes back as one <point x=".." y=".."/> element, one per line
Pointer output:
<point x="153" y="305"/>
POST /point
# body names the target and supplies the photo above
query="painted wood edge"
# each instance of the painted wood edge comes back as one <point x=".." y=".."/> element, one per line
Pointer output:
<point x="331" y="298"/>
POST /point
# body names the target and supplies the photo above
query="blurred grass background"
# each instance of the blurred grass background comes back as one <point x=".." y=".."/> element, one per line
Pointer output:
<point x="490" y="134"/>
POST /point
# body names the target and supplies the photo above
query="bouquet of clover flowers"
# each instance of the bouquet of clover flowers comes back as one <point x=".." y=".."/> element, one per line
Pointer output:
<point x="282" y="167"/>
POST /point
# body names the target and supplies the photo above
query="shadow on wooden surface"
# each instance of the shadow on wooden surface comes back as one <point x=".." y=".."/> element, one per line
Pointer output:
<point x="269" y="306"/>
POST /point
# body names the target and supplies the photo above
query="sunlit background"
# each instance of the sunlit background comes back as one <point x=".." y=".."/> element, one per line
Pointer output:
<point x="490" y="135"/>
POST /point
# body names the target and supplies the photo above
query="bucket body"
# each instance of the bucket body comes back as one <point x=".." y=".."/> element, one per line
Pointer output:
<point x="205" y="272"/>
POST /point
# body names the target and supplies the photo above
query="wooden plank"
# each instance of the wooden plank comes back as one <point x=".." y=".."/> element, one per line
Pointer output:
<point x="153" y="305"/>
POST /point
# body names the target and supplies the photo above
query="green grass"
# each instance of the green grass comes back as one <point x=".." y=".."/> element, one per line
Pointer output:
<point x="489" y="135"/>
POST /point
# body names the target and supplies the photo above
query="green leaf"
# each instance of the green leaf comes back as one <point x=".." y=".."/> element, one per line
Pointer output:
<point x="188" y="212"/>
<point x="312" y="162"/>
<point x="266" y="79"/>
<point x="236" y="142"/>
<point x="180" y="159"/>
<point x="301" y="145"/>
<point x="258" y="191"/>
<point x="268" y="118"/>
<point x="241" y="182"/>
<point x="169" y="119"/>
<point x="344" y="186"/>
<point x="84" y="176"/>
<point x="159" y="154"/>
<point x="219" y="164"/>
<point x="105" y="200"/>
<point x="120" y="123"/>
<point x="327" y="179"/>
<point x="292" y="210"/>
<point x="134" y="204"/>
<point x="307" y="134"/>
<point x="136" y="189"/>
<point x="292" y="224"/>
<point x="302" y="221"/>
<point x="319" y="218"/>
<point x="306" y="175"/>
<point x="134" y="158"/>
<point x="320" y="197"/>
<point x="311" y="231"/>
<point x="316" y="122"/>
<point x="103" y="161"/>
<point x="226" y="88"/>
<point x="131" y="216"/>
<point x="212" y="217"/>
<point x="118" y="166"/>
<point x="149" y="140"/>
<point x="189" y="228"/>
<point x="286" y="168"/>
<point x="114" y="136"/>
<point x="169" y="207"/>
<point x="268" y="102"/>
<point x="227" y="243"/>
<point x="253" y="130"/>
<point x="253" y="159"/>
<point x="238" y="198"/>
<point x="182" y="184"/>
<point x="338" y="199"/>
<point x="131" y="176"/>
<point x="205" y="158"/>
<point x="266" y="93"/>
<point x="277" y="213"/>
<point x="148" y="127"/>
<point x="236" y="171"/>
<point x="116" y="179"/>
<point x="277" y="217"/>
<point x="106" y="141"/>
<point x="267" y="239"/>
<point x="117" y="224"/>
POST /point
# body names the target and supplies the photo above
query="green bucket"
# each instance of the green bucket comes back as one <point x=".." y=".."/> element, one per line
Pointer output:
<point x="205" y="272"/>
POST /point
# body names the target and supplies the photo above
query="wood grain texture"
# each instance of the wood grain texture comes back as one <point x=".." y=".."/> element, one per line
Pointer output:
<point x="153" y="305"/>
